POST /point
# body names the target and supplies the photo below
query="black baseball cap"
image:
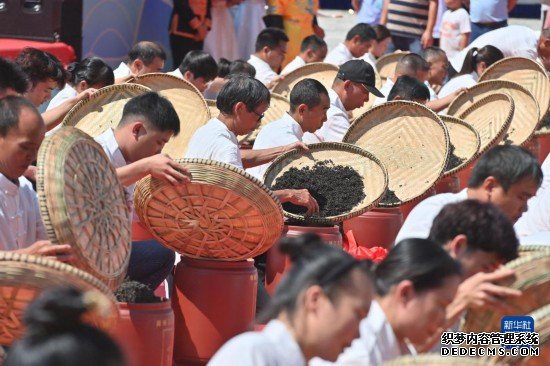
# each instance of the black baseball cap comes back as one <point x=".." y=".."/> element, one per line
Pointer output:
<point x="360" y="71"/>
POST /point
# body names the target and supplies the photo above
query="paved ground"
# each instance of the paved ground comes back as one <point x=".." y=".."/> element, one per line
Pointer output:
<point x="337" y="22"/>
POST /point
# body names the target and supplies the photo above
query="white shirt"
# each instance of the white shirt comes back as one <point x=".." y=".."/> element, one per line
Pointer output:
<point x="462" y="81"/>
<point x="20" y="221"/>
<point x="264" y="73"/>
<point x="293" y="65"/>
<point x="453" y="24"/>
<point x="385" y="90"/>
<point x="433" y="94"/>
<point x="419" y="222"/>
<point x="176" y="73"/>
<point x="376" y="344"/>
<point x="513" y="40"/>
<point x="68" y="92"/>
<point x="122" y="71"/>
<point x="370" y="59"/>
<point x="339" y="55"/>
<point x="214" y="141"/>
<point x="282" y="132"/>
<point x="336" y="125"/>
<point x="273" y="346"/>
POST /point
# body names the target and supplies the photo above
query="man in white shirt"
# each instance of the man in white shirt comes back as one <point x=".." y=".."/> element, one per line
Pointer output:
<point x="144" y="58"/>
<point x="22" y="130"/>
<point x="270" y="53"/>
<point x="309" y="103"/>
<point x="312" y="49"/>
<point x="350" y="90"/>
<point x="358" y="41"/>
<point x="197" y="67"/>
<point x="134" y="148"/>
<point x="507" y="176"/>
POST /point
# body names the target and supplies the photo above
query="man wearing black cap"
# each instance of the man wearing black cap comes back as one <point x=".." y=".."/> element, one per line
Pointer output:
<point x="350" y="90"/>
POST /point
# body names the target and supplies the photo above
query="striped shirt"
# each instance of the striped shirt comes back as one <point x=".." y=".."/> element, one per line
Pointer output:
<point x="408" y="18"/>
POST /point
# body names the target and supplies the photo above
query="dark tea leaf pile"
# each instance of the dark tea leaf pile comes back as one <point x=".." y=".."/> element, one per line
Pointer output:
<point x="454" y="160"/>
<point x="337" y="189"/>
<point x="136" y="293"/>
<point x="389" y="198"/>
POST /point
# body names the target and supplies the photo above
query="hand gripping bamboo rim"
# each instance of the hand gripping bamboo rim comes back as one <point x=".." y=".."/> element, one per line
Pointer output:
<point x="83" y="204"/>
<point x="188" y="103"/>
<point x="386" y="64"/>
<point x="224" y="213"/>
<point x="371" y="170"/>
<point x="526" y="116"/>
<point x="525" y="72"/>
<point x="432" y="359"/>
<point x="532" y="277"/>
<point x="278" y="106"/>
<point x="464" y="138"/>
<point x="410" y="140"/>
<point x="491" y="116"/>
<point x="323" y="72"/>
<point x="24" y="277"/>
<point x="102" y="110"/>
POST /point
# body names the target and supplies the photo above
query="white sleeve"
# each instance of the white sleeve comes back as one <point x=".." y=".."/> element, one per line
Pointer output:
<point x="242" y="350"/>
<point x="540" y="238"/>
<point x="419" y="222"/>
<point x="464" y="22"/>
<point x="228" y="155"/>
<point x="335" y="127"/>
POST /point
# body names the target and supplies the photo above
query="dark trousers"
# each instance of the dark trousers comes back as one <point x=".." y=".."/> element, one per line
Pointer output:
<point x="150" y="262"/>
<point x="181" y="46"/>
<point x="481" y="28"/>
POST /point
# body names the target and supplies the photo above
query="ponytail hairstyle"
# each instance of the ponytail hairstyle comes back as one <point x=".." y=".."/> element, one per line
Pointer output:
<point x="56" y="335"/>
<point x="420" y="261"/>
<point x="93" y="70"/>
<point x="488" y="54"/>
<point x="314" y="263"/>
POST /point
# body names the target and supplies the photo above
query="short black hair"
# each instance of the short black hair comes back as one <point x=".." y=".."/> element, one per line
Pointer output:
<point x="509" y="164"/>
<point x="363" y="30"/>
<point x="12" y="77"/>
<point x="41" y="66"/>
<point x="270" y="37"/>
<point x="432" y="52"/>
<point x="157" y="110"/>
<point x="485" y="225"/>
<point x="308" y="92"/>
<point x="223" y="67"/>
<point x="381" y="32"/>
<point x="242" y="88"/>
<point x="313" y="43"/>
<point x="92" y="70"/>
<point x="241" y="67"/>
<point x="409" y="88"/>
<point x="410" y="64"/>
<point x="200" y="64"/>
<point x="10" y="109"/>
<point x="146" y="51"/>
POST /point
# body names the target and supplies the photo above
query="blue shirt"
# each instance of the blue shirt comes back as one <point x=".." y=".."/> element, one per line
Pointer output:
<point x="488" y="11"/>
<point x="370" y="11"/>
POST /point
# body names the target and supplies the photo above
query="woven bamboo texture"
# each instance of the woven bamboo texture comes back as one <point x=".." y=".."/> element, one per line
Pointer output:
<point x="188" y="103"/>
<point x="526" y="110"/>
<point x="464" y="138"/>
<point x="525" y="250"/>
<point x="526" y="73"/>
<point x="224" y="213"/>
<point x="532" y="277"/>
<point x="320" y="71"/>
<point x="385" y="65"/>
<point x="491" y="117"/>
<point x="373" y="173"/>
<point x="437" y="360"/>
<point x="83" y="204"/>
<point x="24" y="277"/>
<point x="103" y="110"/>
<point x="278" y="106"/>
<point x="410" y="140"/>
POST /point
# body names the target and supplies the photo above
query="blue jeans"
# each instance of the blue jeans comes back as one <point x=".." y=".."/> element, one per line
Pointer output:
<point x="405" y="44"/>
<point x="150" y="262"/>
<point x="478" y="29"/>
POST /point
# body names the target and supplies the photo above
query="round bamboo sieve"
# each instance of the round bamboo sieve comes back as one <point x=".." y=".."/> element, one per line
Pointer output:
<point x="386" y="64"/>
<point x="322" y="72"/>
<point x="464" y="138"/>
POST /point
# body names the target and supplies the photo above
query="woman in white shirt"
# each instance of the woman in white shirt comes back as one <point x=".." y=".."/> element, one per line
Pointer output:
<point x="414" y="284"/>
<point x="315" y="311"/>
<point x="476" y="61"/>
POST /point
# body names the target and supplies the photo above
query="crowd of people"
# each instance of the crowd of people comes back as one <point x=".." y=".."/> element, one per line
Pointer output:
<point x="330" y="307"/>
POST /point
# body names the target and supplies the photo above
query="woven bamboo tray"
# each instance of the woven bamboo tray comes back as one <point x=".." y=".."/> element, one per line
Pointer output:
<point x="464" y="138"/>
<point x="526" y="73"/>
<point x="410" y="140"/>
<point x="375" y="177"/>
<point x="385" y="65"/>
<point x="320" y="71"/>
<point x="525" y="250"/>
<point x="532" y="277"/>
<point x="188" y="103"/>
<point x="103" y="109"/>
<point x="437" y="360"/>
<point x="491" y="117"/>
<point x="83" y="204"/>
<point x="224" y="213"/>
<point x="526" y="110"/>
<point x="278" y="106"/>
<point x="24" y="277"/>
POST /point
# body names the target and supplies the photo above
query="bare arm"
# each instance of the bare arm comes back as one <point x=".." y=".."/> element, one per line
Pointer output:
<point x="511" y="5"/>
<point x="427" y="36"/>
<point x="159" y="166"/>
<point x="384" y="13"/>
<point x="464" y="40"/>
<point x="54" y="116"/>
<point x="252" y="158"/>
<point x="355" y="5"/>
<point x="440" y="104"/>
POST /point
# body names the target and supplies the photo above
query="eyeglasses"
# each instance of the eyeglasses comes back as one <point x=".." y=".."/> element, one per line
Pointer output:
<point x="260" y="116"/>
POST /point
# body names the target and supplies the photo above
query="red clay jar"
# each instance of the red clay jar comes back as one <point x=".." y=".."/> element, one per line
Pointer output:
<point x="450" y="184"/>
<point x="533" y="146"/>
<point x="213" y="301"/>
<point x="464" y="174"/>
<point x="145" y="333"/>
<point x="544" y="147"/>
<point x="376" y="228"/>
